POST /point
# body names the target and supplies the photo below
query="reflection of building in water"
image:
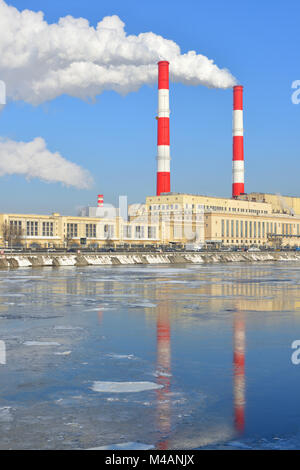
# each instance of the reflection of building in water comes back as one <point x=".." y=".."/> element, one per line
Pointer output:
<point x="164" y="373"/>
<point x="249" y="289"/>
<point x="239" y="371"/>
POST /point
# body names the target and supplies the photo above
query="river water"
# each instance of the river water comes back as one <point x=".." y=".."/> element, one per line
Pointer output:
<point x="184" y="357"/>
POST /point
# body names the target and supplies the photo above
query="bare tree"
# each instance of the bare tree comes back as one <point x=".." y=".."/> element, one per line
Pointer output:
<point x="12" y="233"/>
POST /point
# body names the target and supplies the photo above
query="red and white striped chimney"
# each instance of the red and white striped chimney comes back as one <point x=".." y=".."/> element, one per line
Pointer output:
<point x="163" y="184"/>
<point x="100" y="200"/>
<point x="238" y="143"/>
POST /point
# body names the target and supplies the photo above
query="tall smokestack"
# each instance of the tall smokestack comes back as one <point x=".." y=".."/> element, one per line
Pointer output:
<point x="238" y="143"/>
<point x="163" y="184"/>
<point x="100" y="200"/>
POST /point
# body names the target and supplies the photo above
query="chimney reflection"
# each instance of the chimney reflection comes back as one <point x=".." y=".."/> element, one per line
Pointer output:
<point x="164" y="374"/>
<point x="239" y="371"/>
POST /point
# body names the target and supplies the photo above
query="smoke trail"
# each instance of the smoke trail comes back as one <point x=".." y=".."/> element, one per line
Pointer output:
<point x="34" y="160"/>
<point x="41" y="61"/>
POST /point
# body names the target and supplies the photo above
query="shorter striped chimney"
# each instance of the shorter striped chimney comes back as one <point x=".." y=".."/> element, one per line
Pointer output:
<point x="238" y="143"/>
<point x="163" y="184"/>
<point x="100" y="200"/>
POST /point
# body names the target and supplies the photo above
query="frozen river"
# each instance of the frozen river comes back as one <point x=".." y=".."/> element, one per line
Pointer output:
<point x="159" y="357"/>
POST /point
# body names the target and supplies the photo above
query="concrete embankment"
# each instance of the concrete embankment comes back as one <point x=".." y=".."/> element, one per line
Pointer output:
<point x="102" y="259"/>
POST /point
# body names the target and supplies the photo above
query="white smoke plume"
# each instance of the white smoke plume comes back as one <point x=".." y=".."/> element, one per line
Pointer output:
<point x="41" y="61"/>
<point x="34" y="160"/>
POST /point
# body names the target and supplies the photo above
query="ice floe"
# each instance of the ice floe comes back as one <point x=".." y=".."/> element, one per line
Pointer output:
<point x="64" y="353"/>
<point x="125" y="446"/>
<point x="5" y="414"/>
<point x="41" y="343"/>
<point x="124" y="387"/>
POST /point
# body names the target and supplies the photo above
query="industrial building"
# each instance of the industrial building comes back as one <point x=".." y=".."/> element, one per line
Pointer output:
<point x="169" y="217"/>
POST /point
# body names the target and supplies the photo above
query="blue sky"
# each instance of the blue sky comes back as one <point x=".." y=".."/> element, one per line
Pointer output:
<point x="115" y="137"/>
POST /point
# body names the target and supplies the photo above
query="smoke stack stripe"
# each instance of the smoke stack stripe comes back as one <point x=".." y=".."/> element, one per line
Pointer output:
<point x="163" y="130"/>
<point x="238" y="143"/>
<point x="100" y="200"/>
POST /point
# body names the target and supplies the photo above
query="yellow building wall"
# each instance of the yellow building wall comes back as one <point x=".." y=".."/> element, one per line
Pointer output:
<point x="178" y="218"/>
<point x="280" y="204"/>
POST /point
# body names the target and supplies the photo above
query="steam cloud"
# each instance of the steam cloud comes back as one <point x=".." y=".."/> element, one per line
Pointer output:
<point x="41" y="61"/>
<point x="34" y="160"/>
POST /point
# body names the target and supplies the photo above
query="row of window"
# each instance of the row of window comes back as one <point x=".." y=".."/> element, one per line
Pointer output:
<point x="139" y="231"/>
<point x="205" y="207"/>
<point x="245" y="229"/>
<point x="32" y="228"/>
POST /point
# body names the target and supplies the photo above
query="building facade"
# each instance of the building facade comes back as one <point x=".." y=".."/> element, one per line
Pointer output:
<point x="255" y="219"/>
<point x="59" y="231"/>
<point x="243" y="221"/>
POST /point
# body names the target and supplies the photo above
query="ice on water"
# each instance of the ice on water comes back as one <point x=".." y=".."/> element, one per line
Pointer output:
<point x="128" y="357"/>
<point x="124" y="387"/>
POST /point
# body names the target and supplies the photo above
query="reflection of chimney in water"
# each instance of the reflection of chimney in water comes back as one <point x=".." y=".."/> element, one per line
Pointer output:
<point x="239" y="371"/>
<point x="164" y="373"/>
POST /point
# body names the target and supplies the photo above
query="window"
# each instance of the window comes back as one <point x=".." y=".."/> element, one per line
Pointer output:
<point x="72" y="230"/>
<point x="139" y="231"/>
<point x="222" y="228"/>
<point x="108" y="231"/>
<point x="47" y="229"/>
<point x="151" y="232"/>
<point x="16" y="224"/>
<point x="90" y="230"/>
<point x="32" y="229"/>
<point x="127" y="232"/>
